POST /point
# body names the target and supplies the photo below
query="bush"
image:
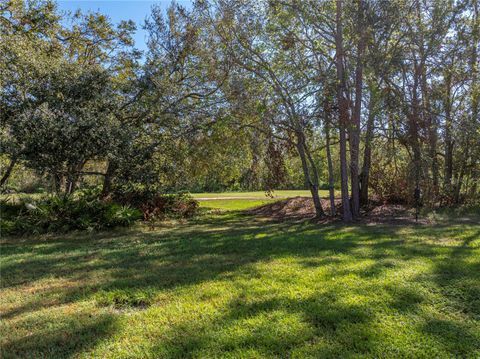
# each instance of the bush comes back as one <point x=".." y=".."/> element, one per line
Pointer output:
<point x="390" y="185"/>
<point x="62" y="214"/>
<point x="87" y="211"/>
<point x="155" y="206"/>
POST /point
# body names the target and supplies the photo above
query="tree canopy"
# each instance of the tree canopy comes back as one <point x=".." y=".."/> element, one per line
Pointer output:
<point x="379" y="99"/>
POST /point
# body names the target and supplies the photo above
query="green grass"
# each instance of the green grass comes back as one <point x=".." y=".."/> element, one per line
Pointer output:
<point x="225" y="201"/>
<point x="239" y="201"/>
<point x="233" y="204"/>
<point x="259" y="194"/>
<point x="238" y="287"/>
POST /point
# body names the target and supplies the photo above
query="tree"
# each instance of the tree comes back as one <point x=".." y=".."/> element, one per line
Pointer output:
<point x="343" y="111"/>
<point x="256" y="40"/>
<point x="58" y="93"/>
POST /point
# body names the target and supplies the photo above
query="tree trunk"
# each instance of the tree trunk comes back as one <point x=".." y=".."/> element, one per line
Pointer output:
<point x="448" y="171"/>
<point x="312" y="186"/>
<point x="107" y="180"/>
<point x="355" y="126"/>
<point x="319" y="213"/>
<point x="73" y="177"/>
<point x="58" y="180"/>
<point x="458" y="186"/>
<point x="343" y="113"/>
<point x="474" y="63"/>
<point x="8" y="172"/>
<point x="432" y="130"/>
<point x="367" y="154"/>
<point x="71" y="183"/>
<point x="413" y="130"/>
<point x="331" y="180"/>
<point x="475" y="80"/>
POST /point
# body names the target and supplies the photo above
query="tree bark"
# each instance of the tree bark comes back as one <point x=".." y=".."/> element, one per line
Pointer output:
<point x="431" y="127"/>
<point x="315" y="184"/>
<point x="8" y="172"/>
<point x="474" y="63"/>
<point x="475" y="78"/>
<point x="367" y="153"/>
<point x="461" y="174"/>
<point x="413" y="128"/>
<point x="343" y="112"/>
<point x="355" y="125"/>
<point x="58" y="180"/>
<point x="311" y="184"/>
<point x="331" y="179"/>
<point x="448" y="171"/>
<point x="107" y="180"/>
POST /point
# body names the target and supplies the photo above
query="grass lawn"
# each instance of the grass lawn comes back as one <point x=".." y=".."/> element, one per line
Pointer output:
<point x="232" y="204"/>
<point x="234" y="201"/>
<point x="259" y="194"/>
<point x="234" y="286"/>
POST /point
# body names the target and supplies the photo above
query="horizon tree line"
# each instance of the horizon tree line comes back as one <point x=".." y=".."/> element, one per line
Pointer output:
<point x="377" y="98"/>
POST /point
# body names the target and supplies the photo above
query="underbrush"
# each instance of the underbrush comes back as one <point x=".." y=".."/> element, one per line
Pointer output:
<point x="63" y="214"/>
<point x="156" y="206"/>
<point x="86" y="210"/>
<point x="461" y="212"/>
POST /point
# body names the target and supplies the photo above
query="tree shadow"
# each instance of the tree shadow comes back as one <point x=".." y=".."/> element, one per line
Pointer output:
<point x="228" y="248"/>
<point x="458" y="277"/>
<point x="61" y="338"/>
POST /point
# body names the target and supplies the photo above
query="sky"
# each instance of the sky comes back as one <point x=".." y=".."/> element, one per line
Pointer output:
<point x="117" y="10"/>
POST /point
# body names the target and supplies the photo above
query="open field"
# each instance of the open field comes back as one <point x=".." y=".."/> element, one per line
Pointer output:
<point x="234" y="204"/>
<point x="245" y="200"/>
<point x="231" y="285"/>
<point x="258" y="194"/>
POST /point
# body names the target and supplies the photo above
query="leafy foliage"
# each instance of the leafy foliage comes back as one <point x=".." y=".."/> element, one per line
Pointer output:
<point x="245" y="94"/>
<point x="157" y="206"/>
<point x="64" y="213"/>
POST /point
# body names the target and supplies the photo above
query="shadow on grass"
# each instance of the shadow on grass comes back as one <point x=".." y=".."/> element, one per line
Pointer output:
<point x="227" y="246"/>
<point x="60" y="338"/>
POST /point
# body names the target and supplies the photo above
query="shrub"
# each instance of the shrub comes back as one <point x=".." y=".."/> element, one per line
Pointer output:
<point x="155" y="206"/>
<point x="62" y="214"/>
<point x="391" y="186"/>
<point x="87" y="211"/>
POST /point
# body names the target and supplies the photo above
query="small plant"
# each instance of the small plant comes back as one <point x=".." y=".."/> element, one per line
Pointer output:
<point x="118" y="215"/>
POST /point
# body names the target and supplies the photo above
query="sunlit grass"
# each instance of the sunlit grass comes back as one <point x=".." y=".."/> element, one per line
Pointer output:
<point x="237" y="201"/>
<point x="259" y="194"/>
<point x="233" y="204"/>
<point x="233" y="286"/>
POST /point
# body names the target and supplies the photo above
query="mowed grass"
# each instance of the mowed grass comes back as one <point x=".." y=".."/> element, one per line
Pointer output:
<point x="259" y="194"/>
<point x="238" y="201"/>
<point x="235" y="286"/>
<point x="233" y="204"/>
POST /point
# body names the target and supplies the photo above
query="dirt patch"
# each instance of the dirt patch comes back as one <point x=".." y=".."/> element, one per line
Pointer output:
<point x="301" y="208"/>
<point x="392" y="214"/>
<point x="296" y="207"/>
